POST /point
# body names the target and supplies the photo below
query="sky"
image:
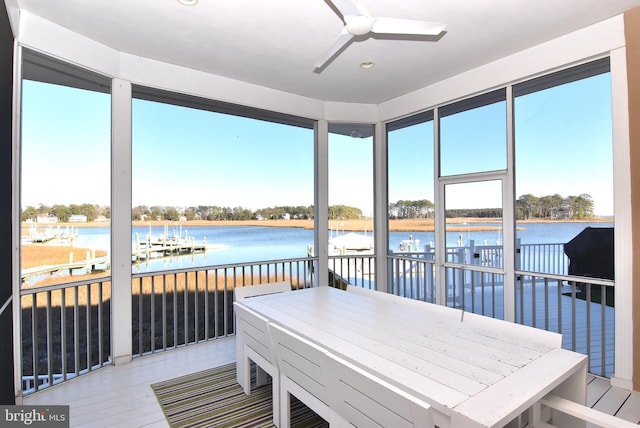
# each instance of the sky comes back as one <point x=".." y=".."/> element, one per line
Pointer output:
<point x="204" y="158"/>
<point x="563" y="146"/>
<point x="184" y="157"/>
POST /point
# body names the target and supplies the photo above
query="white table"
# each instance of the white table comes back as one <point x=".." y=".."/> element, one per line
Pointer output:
<point x="472" y="370"/>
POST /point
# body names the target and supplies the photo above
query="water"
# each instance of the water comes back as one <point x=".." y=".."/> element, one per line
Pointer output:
<point x="235" y="244"/>
<point x="528" y="233"/>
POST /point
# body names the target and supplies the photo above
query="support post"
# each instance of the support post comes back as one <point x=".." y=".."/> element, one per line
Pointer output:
<point x="321" y="203"/>
<point x="121" y="311"/>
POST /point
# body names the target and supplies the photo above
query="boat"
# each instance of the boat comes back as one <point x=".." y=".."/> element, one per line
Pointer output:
<point x="351" y="243"/>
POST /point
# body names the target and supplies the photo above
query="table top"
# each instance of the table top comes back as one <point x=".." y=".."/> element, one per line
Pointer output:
<point x="470" y="369"/>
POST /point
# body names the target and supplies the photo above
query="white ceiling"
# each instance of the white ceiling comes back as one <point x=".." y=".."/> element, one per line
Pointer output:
<point x="275" y="43"/>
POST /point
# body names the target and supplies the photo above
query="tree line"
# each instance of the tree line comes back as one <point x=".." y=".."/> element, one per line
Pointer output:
<point x="527" y="207"/>
<point x="216" y="213"/>
<point x="63" y="212"/>
<point x="552" y="207"/>
<point x="212" y="213"/>
<point x="200" y="212"/>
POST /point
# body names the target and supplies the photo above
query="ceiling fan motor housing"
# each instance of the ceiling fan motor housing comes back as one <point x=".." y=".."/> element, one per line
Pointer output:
<point x="359" y="25"/>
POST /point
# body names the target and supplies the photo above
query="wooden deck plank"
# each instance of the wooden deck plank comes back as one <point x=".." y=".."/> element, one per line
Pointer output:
<point x="141" y="415"/>
<point x="630" y="410"/>
<point x="596" y="389"/>
<point x="612" y="400"/>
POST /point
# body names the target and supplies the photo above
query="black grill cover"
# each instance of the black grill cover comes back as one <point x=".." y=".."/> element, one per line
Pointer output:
<point x="590" y="253"/>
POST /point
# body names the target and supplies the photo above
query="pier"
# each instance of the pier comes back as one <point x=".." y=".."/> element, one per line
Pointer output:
<point x="89" y="265"/>
<point x="152" y="248"/>
<point x="156" y="247"/>
<point x="50" y="235"/>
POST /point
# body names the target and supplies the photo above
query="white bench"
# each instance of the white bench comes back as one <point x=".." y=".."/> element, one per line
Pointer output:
<point x="362" y="400"/>
<point x="261" y="289"/>
<point x="303" y="373"/>
<point x="253" y="342"/>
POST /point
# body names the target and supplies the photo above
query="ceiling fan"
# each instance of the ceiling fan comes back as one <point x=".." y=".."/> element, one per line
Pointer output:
<point x="358" y="22"/>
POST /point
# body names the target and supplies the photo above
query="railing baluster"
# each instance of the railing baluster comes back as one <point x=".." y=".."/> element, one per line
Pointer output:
<point x="546" y="303"/>
<point x="88" y="326"/>
<point x="63" y="332"/>
<point x="207" y="315"/>
<point x="175" y="312"/>
<point x="533" y="303"/>
<point x="225" y="302"/>
<point x="49" y="329"/>
<point x="152" y="310"/>
<point x="140" y="316"/>
<point x="196" y="307"/>
<point x="185" y="312"/>
<point x="603" y="320"/>
<point x="493" y="295"/>
<point x="588" y="297"/>
<point x="100" y="325"/>
<point x="573" y="315"/>
<point x="164" y="312"/>
<point x="76" y="328"/>
<point x="216" y="299"/>
<point x="34" y="340"/>
<point x="559" y="293"/>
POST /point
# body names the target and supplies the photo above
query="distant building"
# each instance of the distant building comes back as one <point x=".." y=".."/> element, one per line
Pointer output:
<point x="101" y="219"/>
<point x="46" y="218"/>
<point x="564" y="213"/>
<point x="286" y="216"/>
<point x="78" y="218"/>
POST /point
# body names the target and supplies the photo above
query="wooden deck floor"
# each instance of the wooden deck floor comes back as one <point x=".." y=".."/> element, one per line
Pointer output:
<point x="122" y="396"/>
<point x="611" y="400"/>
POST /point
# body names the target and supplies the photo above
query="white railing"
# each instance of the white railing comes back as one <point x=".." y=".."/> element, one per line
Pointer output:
<point x="65" y="331"/>
<point x="582" y="309"/>
<point x="187" y="306"/>
<point x="30" y="383"/>
<point x="66" y="327"/>
<point x="413" y="276"/>
<point x="545" y="258"/>
<point x="358" y="270"/>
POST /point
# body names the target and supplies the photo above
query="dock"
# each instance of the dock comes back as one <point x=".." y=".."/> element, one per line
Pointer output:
<point x="50" y="235"/>
<point x="156" y="247"/>
<point x="153" y="247"/>
<point x="89" y="265"/>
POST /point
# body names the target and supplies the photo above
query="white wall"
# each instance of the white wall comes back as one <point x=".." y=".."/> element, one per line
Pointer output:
<point x="568" y="50"/>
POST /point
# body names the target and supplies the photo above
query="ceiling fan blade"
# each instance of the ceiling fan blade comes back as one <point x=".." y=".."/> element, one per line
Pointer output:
<point x="343" y="38"/>
<point x="349" y="7"/>
<point x="406" y="26"/>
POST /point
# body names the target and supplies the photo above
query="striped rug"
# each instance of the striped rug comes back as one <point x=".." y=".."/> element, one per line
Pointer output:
<point x="213" y="398"/>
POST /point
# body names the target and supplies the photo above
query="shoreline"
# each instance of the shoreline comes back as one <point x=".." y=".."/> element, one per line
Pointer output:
<point x="354" y="225"/>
